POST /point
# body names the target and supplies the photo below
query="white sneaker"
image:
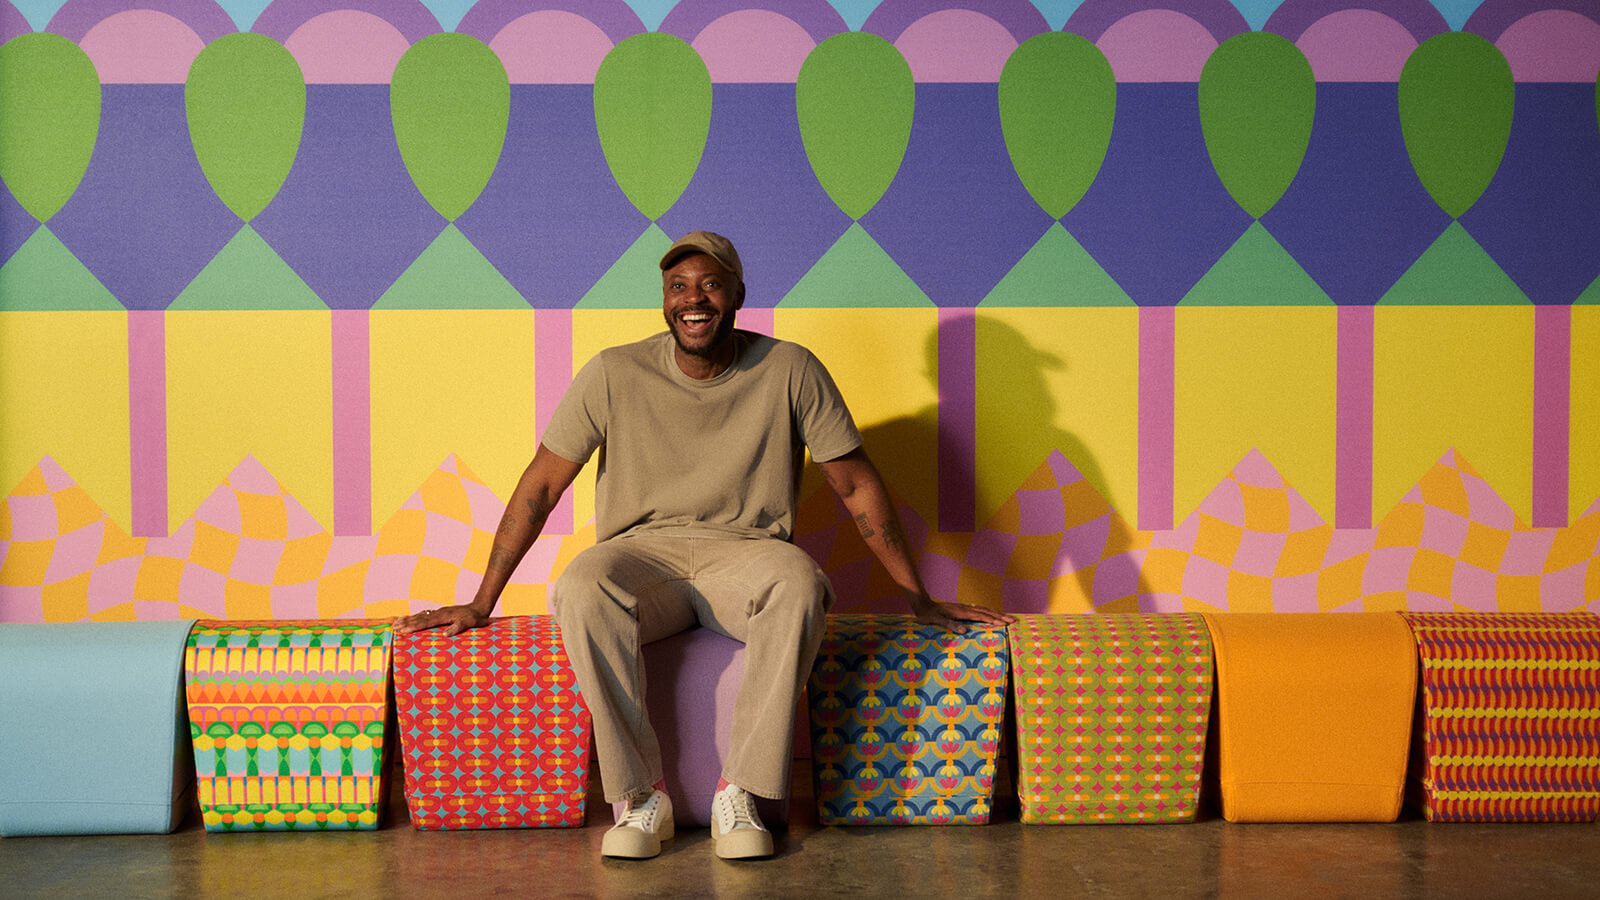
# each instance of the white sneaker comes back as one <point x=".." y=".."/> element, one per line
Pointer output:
<point x="642" y="827"/>
<point x="736" y="829"/>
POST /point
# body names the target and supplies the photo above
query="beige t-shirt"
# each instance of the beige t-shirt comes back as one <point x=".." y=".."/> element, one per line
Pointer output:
<point x="715" y="458"/>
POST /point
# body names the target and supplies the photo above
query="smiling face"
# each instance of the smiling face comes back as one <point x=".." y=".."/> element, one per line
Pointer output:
<point x="699" y="300"/>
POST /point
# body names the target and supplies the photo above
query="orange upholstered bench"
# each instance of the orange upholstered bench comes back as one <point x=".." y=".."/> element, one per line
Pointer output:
<point x="1314" y="715"/>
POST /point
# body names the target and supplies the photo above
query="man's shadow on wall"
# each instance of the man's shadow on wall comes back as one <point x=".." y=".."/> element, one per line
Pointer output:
<point x="909" y="449"/>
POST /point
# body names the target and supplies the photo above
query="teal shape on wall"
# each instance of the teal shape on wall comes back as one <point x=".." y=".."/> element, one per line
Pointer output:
<point x="50" y="110"/>
<point x="247" y="274"/>
<point x="652" y="12"/>
<point x="449" y="12"/>
<point x="854" y="99"/>
<point x="246" y="104"/>
<point x="1057" y="12"/>
<point x="1058" y="100"/>
<point x="38" y="12"/>
<point x="451" y="102"/>
<point x="1256" y="271"/>
<point x="44" y="276"/>
<point x="244" y="12"/>
<point x="1057" y="272"/>
<point x="1455" y="271"/>
<point x="855" y="273"/>
<point x="1456" y="98"/>
<point x="1590" y="296"/>
<point x="1258" y="98"/>
<point x="652" y="111"/>
<point x="634" y="280"/>
<point x="451" y="274"/>
<point x="1257" y="12"/>
<point x="854" y="12"/>
<point x="1456" y="12"/>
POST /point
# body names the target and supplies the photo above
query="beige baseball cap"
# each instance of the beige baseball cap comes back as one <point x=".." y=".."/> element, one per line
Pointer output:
<point x="711" y="244"/>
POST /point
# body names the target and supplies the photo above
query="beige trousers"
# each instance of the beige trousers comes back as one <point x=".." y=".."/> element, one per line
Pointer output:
<point x="624" y="593"/>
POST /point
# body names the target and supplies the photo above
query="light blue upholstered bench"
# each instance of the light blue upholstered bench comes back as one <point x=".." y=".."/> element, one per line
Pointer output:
<point x="94" y="736"/>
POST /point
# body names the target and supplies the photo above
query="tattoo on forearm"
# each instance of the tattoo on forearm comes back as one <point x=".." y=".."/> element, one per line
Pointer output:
<point x="892" y="536"/>
<point x="502" y="560"/>
<point x="537" y="513"/>
<point x="862" y="524"/>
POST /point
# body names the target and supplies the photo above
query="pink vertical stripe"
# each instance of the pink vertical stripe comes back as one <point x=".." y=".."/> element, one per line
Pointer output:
<point x="352" y="422"/>
<point x="958" y="419"/>
<point x="1352" y="474"/>
<point x="1157" y="364"/>
<point x="757" y="320"/>
<point x="1552" y="395"/>
<point x="552" y="356"/>
<point x="147" y="421"/>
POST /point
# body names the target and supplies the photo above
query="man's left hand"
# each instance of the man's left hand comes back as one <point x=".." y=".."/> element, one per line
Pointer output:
<point x="956" y="616"/>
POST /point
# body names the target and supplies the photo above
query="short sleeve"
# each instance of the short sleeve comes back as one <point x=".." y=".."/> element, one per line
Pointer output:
<point x="824" y="421"/>
<point x="578" y="426"/>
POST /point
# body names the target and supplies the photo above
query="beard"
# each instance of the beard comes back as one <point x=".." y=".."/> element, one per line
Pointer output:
<point x="706" y="347"/>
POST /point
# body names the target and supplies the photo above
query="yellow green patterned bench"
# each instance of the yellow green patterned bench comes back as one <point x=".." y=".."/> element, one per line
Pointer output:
<point x="1111" y="714"/>
<point x="288" y="721"/>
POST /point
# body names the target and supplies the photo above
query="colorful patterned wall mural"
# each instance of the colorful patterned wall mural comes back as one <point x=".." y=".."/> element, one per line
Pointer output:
<point x="1181" y="306"/>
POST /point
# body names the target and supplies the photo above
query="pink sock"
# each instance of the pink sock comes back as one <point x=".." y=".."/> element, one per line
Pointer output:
<point x="722" y="783"/>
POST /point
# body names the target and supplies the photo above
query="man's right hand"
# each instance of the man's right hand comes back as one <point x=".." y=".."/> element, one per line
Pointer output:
<point x="453" y="619"/>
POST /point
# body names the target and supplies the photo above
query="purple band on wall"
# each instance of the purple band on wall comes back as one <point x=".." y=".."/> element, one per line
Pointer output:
<point x="1552" y="390"/>
<point x="890" y="20"/>
<point x="487" y="18"/>
<point x="207" y="20"/>
<point x="1157" y="347"/>
<point x="958" y="419"/>
<point x="552" y="373"/>
<point x="147" y="420"/>
<point x="686" y="20"/>
<point x="1352" y="478"/>
<point x="1419" y="17"/>
<point x="352" y="422"/>
<point x="282" y="19"/>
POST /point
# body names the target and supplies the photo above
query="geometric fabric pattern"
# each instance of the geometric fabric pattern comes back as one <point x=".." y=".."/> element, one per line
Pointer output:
<point x="1510" y="716"/>
<point x="288" y="723"/>
<point x="494" y="732"/>
<point x="1111" y="715"/>
<point x="906" y="721"/>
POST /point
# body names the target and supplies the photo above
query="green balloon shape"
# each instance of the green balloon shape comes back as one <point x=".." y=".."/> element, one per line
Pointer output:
<point x="450" y="100"/>
<point x="652" y="111"/>
<point x="49" y="119"/>
<point x="1058" y="101"/>
<point x="1258" y="98"/>
<point x="1456" y="98"/>
<point x="854" y="99"/>
<point x="246" y="103"/>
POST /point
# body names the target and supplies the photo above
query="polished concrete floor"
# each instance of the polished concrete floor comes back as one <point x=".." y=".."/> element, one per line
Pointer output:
<point x="1209" y="858"/>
